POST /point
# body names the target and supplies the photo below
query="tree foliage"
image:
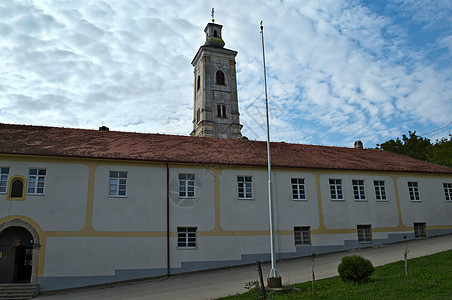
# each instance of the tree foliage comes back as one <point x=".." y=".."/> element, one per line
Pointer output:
<point x="421" y="148"/>
<point x="441" y="152"/>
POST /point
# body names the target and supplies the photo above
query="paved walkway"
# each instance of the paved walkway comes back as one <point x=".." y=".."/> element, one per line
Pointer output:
<point x="214" y="284"/>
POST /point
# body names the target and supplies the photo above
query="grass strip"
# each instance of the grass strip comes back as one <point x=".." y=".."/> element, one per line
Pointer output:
<point x="429" y="277"/>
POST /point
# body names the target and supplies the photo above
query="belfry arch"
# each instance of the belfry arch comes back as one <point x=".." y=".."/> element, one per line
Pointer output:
<point x="19" y="248"/>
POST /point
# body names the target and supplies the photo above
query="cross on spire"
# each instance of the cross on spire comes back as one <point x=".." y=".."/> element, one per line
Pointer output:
<point x="213" y="15"/>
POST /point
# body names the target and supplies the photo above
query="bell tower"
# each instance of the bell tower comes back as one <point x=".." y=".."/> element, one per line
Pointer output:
<point x="216" y="109"/>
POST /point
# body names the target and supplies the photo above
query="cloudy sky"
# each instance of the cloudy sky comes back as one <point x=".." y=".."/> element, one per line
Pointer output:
<point x="338" y="70"/>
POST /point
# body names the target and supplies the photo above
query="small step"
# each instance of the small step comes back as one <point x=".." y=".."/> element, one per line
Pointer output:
<point x="19" y="291"/>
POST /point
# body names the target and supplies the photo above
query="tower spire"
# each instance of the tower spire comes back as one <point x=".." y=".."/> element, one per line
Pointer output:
<point x="213" y="15"/>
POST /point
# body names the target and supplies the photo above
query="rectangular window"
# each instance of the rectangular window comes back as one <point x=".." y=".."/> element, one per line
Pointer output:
<point x="198" y="115"/>
<point x="118" y="184"/>
<point x="302" y="235"/>
<point x="186" y="237"/>
<point x="221" y="111"/>
<point x="448" y="191"/>
<point x="414" y="191"/>
<point x="186" y="185"/>
<point x="298" y="191"/>
<point x="36" y="181"/>
<point x="358" y="190"/>
<point x="4" y="172"/>
<point x="336" y="189"/>
<point x="245" y="187"/>
<point x="420" y="230"/>
<point x="380" y="190"/>
<point x="364" y="233"/>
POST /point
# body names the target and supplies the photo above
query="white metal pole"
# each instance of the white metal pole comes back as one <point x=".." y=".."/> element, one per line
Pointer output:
<point x="273" y="270"/>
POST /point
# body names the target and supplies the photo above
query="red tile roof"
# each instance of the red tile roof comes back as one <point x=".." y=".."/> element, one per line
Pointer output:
<point x="67" y="142"/>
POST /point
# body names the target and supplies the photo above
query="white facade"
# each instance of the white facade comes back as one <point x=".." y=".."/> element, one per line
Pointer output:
<point x="88" y="237"/>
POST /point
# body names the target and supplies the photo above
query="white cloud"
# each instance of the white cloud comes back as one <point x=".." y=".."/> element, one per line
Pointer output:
<point x="337" y="70"/>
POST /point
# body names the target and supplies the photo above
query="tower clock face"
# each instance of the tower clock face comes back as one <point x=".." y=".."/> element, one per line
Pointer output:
<point x="220" y="96"/>
<point x="221" y="64"/>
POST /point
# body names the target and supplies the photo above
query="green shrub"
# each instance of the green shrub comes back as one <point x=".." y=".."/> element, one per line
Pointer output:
<point x="355" y="268"/>
<point x="254" y="289"/>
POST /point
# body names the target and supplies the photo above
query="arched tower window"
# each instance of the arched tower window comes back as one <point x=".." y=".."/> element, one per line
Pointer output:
<point x="198" y="83"/>
<point x="215" y="33"/>
<point x="198" y="115"/>
<point x="220" y="78"/>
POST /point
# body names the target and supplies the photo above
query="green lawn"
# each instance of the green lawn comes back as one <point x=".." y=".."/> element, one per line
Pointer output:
<point x="429" y="277"/>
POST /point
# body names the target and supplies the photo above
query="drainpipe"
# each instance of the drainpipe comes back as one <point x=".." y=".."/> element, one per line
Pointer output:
<point x="168" y="270"/>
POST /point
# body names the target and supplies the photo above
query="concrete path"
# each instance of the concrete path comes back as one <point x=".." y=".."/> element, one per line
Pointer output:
<point x="214" y="284"/>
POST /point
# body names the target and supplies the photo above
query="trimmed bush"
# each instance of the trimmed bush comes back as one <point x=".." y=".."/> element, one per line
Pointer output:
<point x="355" y="268"/>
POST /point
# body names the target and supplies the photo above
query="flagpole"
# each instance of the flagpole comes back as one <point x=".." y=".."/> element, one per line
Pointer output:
<point x="274" y="279"/>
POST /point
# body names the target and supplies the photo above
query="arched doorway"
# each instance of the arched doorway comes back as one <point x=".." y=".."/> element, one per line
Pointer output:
<point x="19" y="247"/>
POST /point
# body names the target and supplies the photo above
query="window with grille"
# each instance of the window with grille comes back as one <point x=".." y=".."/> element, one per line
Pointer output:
<point x="117" y="184"/>
<point x="448" y="191"/>
<point x="186" y="185"/>
<point x="364" y="233"/>
<point x="420" y="230"/>
<point x="186" y="237"/>
<point x="358" y="190"/>
<point x="302" y="235"/>
<point x="36" y="181"/>
<point x="4" y="172"/>
<point x="245" y="187"/>
<point x="380" y="190"/>
<point x="336" y="189"/>
<point x="414" y="191"/>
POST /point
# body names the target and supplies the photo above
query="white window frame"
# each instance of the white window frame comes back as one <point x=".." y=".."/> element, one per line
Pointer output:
<point x="117" y="183"/>
<point x="4" y="174"/>
<point x="336" y="191"/>
<point x="302" y="235"/>
<point x="380" y="190"/>
<point x="186" y="185"/>
<point x="364" y="233"/>
<point x="420" y="230"/>
<point x="245" y="187"/>
<point x="448" y="191"/>
<point x="413" y="190"/>
<point x="298" y="189"/>
<point x="359" y="192"/>
<point x="187" y="237"/>
<point x="36" y="181"/>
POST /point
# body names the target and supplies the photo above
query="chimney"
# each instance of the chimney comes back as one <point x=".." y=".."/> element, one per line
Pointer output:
<point x="104" y="128"/>
<point x="358" y="144"/>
